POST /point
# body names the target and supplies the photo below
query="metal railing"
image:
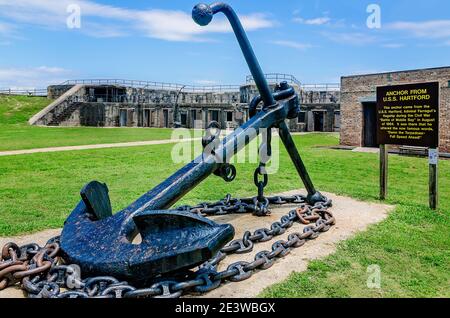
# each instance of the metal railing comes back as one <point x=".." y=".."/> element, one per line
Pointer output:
<point x="271" y="78"/>
<point x="326" y="87"/>
<point x="24" y="92"/>
<point x="149" y="99"/>
<point x="275" y="78"/>
<point x="156" y="85"/>
<point x="212" y="89"/>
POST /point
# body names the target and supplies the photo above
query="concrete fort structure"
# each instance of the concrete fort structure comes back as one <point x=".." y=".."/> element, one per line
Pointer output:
<point x="122" y="103"/>
<point x="358" y="104"/>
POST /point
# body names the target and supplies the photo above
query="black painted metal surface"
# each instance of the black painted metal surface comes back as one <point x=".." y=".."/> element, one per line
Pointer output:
<point x="95" y="196"/>
<point x="105" y="246"/>
<point x="173" y="240"/>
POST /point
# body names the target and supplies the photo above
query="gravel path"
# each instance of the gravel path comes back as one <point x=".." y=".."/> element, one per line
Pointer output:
<point x="352" y="216"/>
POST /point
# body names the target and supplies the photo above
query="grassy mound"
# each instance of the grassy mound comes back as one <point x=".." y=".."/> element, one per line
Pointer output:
<point x="16" y="134"/>
<point x="18" y="109"/>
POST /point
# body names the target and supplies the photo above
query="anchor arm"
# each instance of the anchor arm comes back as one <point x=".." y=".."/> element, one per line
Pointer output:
<point x="313" y="195"/>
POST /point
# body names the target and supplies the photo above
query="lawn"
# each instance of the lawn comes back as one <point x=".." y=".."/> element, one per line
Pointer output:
<point x="412" y="246"/>
<point x="15" y="133"/>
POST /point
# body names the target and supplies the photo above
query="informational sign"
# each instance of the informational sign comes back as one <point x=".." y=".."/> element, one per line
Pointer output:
<point x="408" y="115"/>
<point x="433" y="156"/>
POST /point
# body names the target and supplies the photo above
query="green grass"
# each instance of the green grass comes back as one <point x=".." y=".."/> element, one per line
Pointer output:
<point x="15" y="133"/>
<point x="412" y="246"/>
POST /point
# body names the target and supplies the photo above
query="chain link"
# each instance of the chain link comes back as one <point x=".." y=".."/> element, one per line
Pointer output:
<point x="41" y="272"/>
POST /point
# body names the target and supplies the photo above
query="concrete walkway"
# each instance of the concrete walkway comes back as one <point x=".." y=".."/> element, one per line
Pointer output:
<point x="366" y="150"/>
<point x="98" y="146"/>
<point x="102" y="146"/>
<point x="112" y="145"/>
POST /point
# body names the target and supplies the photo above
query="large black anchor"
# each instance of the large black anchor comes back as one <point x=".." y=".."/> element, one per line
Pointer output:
<point x="102" y="243"/>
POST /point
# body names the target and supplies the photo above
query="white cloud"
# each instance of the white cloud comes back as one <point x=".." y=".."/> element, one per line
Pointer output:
<point x="393" y="45"/>
<point x="4" y="28"/>
<point x="116" y="21"/>
<point x="99" y="30"/>
<point x="178" y="26"/>
<point x="315" y="21"/>
<point x="50" y="69"/>
<point x="293" y="44"/>
<point x="7" y="30"/>
<point x="435" y="29"/>
<point x="351" y="38"/>
<point x="367" y="71"/>
<point x="205" y="82"/>
<point x="30" y="78"/>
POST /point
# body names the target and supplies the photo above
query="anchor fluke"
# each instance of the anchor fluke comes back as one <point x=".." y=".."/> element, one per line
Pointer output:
<point x="96" y="198"/>
<point x="173" y="240"/>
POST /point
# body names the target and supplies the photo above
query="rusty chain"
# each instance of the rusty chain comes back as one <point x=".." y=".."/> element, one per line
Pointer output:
<point x="41" y="272"/>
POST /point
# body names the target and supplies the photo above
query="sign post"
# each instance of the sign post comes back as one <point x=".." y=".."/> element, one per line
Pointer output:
<point x="409" y="115"/>
<point x="433" y="155"/>
<point x="383" y="171"/>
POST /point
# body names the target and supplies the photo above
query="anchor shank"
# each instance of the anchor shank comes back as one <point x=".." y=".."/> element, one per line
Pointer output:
<point x="175" y="187"/>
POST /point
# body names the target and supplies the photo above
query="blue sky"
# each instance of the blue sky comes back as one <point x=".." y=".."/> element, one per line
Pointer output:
<point x="318" y="41"/>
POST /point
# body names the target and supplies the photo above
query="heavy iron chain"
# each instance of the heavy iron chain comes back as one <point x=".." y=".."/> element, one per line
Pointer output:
<point x="42" y="273"/>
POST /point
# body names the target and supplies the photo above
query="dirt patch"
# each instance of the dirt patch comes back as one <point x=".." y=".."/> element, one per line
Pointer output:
<point x="352" y="216"/>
